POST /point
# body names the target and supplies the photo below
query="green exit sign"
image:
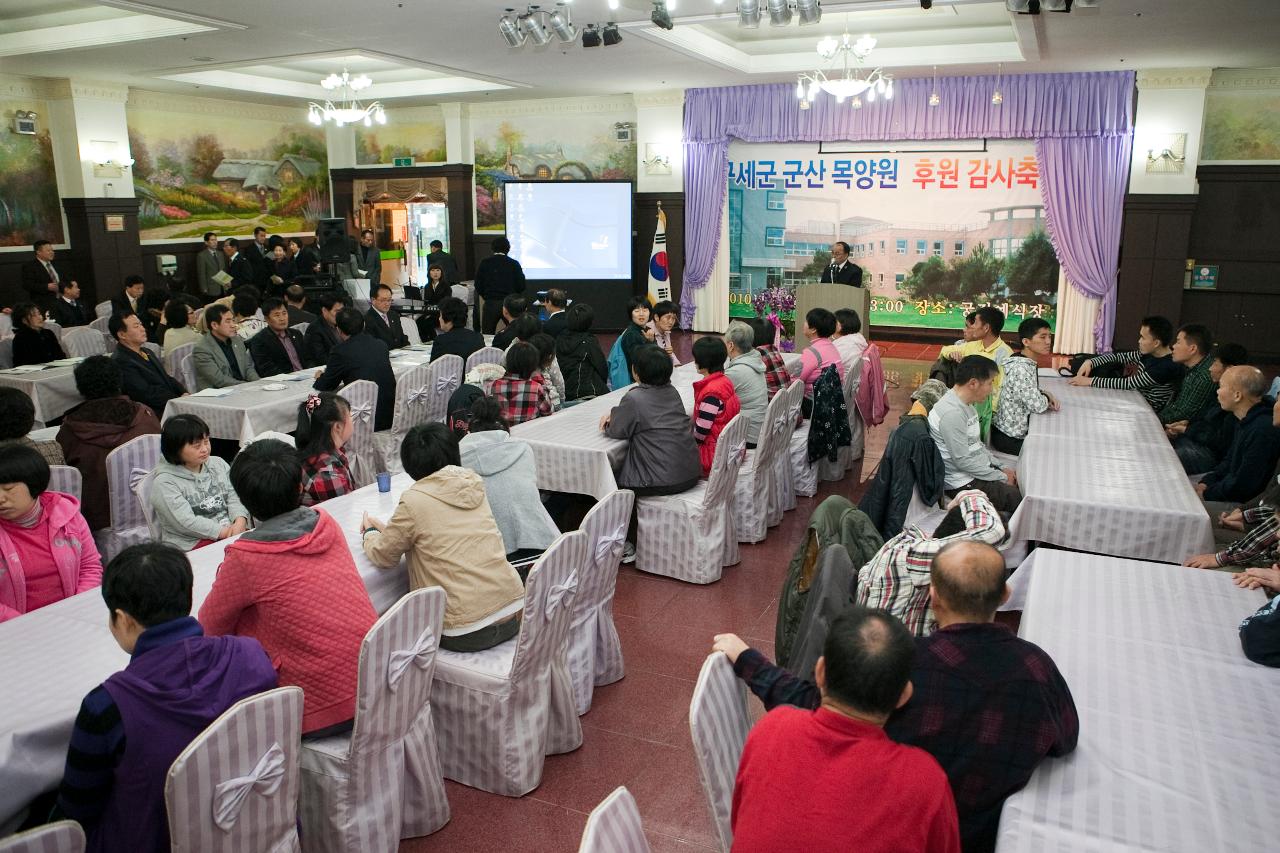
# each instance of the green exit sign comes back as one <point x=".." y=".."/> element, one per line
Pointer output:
<point x="403" y="161"/>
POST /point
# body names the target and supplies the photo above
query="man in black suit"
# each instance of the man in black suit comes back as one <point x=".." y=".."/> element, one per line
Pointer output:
<point x="454" y="338"/>
<point x="520" y="322"/>
<point x="259" y="255"/>
<point x="383" y="322"/>
<point x="556" y="321"/>
<point x="239" y="267"/>
<point x="142" y="377"/>
<point x="367" y="261"/>
<point x="40" y="277"/>
<point x="445" y="261"/>
<point x="361" y="356"/>
<point x="277" y="348"/>
<point x="68" y="311"/>
<point x="133" y="301"/>
<point x="497" y="277"/>
<point x="322" y="335"/>
<point x="841" y="270"/>
<point x="295" y="301"/>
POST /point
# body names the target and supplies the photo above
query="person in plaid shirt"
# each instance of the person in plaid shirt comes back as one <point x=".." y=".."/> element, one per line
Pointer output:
<point x="521" y="391"/>
<point x="897" y="578"/>
<point x="1259" y="547"/>
<point x="1192" y="349"/>
<point x="987" y="705"/>
<point x="776" y="376"/>
<point x="324" y="426"/>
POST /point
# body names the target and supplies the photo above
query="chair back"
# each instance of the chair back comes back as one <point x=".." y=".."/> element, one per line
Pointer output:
<point x="173" y="362"/>
<point x="484" y="355"/>
<point x="548" y="605"/>
<point x="142" y="489"/>
<point x="719" y="724"/>
<point x="6" y="353"/>
<point x="56" y="328"/>
<point x="101" y="323"/>
<point x="126" y="465"/>
<point x="235" y="787"/>
<point x="362" y="397"/>
<point x="595" y="651"/>
<point x="82" y="342"/>
<point x="731" y="450"/>
<point x="278" y="436"/>
<point x="300" y="328"/>
<point x="66" y="479"/>
<point x="410" y="329"/>
<point x="154" y="348"/>
<point x="186" y="371"/>
<point x="413" y="398"/>
<point x="65" y="836"/>
<point x="102" y="310"/>
<point x="773" y="433"/>
<point x="444" y="376"/>
<point x="461" y="291"/>
<point x="614" y="826"/>
<point x="6" y="325"/>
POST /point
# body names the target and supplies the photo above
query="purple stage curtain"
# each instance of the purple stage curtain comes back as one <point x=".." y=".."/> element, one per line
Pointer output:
<point x="1068" y="108"/>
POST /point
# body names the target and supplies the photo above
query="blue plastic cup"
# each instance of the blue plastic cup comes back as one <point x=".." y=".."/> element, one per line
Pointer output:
<point x="384" y="482"/>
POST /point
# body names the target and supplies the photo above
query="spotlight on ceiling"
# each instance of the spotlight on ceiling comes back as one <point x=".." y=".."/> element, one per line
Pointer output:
<point x="810" y="11"/>
<point x="1035" y="7"/>
<point x="779" y="13"/>
<point x="749" y="13"/>
<point x="561" y="23"/>
<point x="611" y="34"/>
<point x="534" y="27"/>
<point x="660" y="16"/>
<point x="926" y="4"/>
<point x="590" y="36"/>
<point x="509" y="28"/>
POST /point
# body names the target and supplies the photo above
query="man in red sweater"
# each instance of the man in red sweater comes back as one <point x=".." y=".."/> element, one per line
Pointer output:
<point x="830" y="779"/>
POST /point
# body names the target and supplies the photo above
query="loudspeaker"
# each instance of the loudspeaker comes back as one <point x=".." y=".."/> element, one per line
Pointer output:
<point x="331" y="239"/>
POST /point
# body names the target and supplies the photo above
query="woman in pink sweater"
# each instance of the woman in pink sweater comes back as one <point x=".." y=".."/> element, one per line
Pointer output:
<point x="819" y="326"/>
<point x="292" y="584"/>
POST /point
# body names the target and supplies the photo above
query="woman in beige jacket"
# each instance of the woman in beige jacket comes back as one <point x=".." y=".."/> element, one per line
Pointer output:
<point x="445" y="527"/>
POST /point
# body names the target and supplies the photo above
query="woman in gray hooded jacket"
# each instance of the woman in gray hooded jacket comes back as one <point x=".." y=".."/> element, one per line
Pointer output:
<point x="745" y="369"/>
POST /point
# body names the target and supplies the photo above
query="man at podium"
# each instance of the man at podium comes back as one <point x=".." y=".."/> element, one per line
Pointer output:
<point x="841" y="270"/>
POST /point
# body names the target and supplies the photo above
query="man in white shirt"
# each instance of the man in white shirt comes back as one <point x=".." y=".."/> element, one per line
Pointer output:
<point x="842" y="270"/>
<point x="953" y="423"/>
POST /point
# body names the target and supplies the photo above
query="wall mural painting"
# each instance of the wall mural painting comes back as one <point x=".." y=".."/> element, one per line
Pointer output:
<point x="417" y="133"/>
<point x="1242" y="125"/>
<point x="546" y="147"/>
<point x="195" y="173"/>
<point x="29" y="206"/>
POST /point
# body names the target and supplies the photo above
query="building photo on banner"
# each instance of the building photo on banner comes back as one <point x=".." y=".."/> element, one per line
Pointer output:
<point x="937" y="233"/>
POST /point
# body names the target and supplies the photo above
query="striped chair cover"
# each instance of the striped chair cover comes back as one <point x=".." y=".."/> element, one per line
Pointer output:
<point x="805" y="476"/>
<point x="692" y="535"/>
<point x="82" y="342"/>
<point x="142" y="488"/>
<point x="484" y="355"/>
<point x="614" y="826"/>
<point x="55" y="328"/>
<point x="154" y="349"/>
<point x="103" y="310"/>
<point x="65" y="836"/>
<point x="499" y="712"/>
<point x="365" y="790"/>
<point x="186" y="374"/>
<point x="125" y="465"/>
<point x="66" y="479"/>
<point x="444" y="376"/>
<point x="595" y="652"/>
<point x="784" y="477"/>
<point x="719" y="724"/>
<point x="173" y="364"/>
<point x="362" y="397"/>
<point x="101" y="322"/>
<point x="278" y="436"/>
<point x="235" y="787"/>
<point x="754" y="488"/>
<point x="6" y="353"/>
<point x="410" y="329"/>
<point x="6" y="325"/>
<point x="413" y="398"/>
<point x="300" y="328"/>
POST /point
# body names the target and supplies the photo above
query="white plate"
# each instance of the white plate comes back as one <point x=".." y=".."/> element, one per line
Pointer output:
<point x="274" y="386"/>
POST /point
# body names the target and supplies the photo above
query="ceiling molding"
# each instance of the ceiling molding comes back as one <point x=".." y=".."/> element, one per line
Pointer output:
<point x="90" y="90"/>
<point x="666" y="98"/>
<point x="1174" y="78"/>
<point x="24" y="88"/>
<point x="141" y="99"/>
<point x="176" y="14"/>
<point x="1245" y="78"/>
<point x="555" y="106"/>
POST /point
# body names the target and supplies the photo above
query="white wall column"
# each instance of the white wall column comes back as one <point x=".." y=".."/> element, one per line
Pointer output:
<point x="659" y="131"/>
<point x="88" y="127"/>
<point x="459" y="145"/>
<point x="1170" y="101"/>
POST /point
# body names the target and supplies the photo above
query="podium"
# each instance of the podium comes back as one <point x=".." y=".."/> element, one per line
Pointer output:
<point x="833" y="297"/>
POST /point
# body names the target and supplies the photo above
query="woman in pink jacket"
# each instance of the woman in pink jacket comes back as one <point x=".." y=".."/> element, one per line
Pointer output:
<point x="46" y="549"/>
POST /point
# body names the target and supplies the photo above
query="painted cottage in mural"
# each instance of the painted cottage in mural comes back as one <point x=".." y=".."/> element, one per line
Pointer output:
<point x="262" y="177"/>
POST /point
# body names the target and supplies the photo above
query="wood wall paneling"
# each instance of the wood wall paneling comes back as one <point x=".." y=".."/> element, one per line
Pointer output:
<point x="100" y="259"/>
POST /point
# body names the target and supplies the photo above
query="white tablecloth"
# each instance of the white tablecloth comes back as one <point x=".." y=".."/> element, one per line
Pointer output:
<point x="52" y="390"/>
<point x="1178" y="735"/>
<point x="57" y="654"/>
<point x="1101" y="476"/>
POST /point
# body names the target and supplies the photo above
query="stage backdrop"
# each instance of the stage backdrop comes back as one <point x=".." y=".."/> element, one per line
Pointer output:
<point x="936" y="234"/>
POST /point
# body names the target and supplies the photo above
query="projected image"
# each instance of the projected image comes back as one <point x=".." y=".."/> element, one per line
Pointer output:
<point x="570" y="231"/>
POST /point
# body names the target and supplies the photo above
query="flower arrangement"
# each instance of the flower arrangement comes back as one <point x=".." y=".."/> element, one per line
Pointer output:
<point x="778" y="306"/>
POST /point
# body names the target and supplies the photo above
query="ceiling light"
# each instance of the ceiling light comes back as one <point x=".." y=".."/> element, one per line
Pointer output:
<point x="591" y="36"/>
<point x="779" y="13"/>
<point x="996" y="98"/>
<point x="611" y="34"/>
<point x="934" y="100"/>
<point x="749" y="13"/>
<point x="810" y="11"/>
<point x="850" y="82"/>
<point x="534" y="27"/>
<point x="660" y="16"/>
<point x="509" y="28"/>
<point x="561" y="23"/>
<point x="348" y="110"/>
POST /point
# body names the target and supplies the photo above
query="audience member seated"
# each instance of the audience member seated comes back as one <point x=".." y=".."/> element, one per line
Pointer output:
<point x="776" y="376"/>
<point x="1021" y="396"/>
<point x="221" y="358"/>
<point x="637" y="333"/>
<point x="46" y="544"/>
<point x="444" y="527"/>
<point x="579" y="355"/>
<point x="745" y="369"/>
<point x="142" y="376"/>
<point x="106" y="420"/>
<point x="244" y="305"/>
<point x="848" y="338"/>
<point x="17" y="418"/>
<point x="1260" y="633"/>
<point x="911" y="465"/>
<point x="295" y="303"/>
<point x="1256" y="446"/>
<point x="180" y="318"/>
<point x="361" y="356"/>
<point x="436" y="289"/>
<point x="518" y="323"/>
<point x="1259" y="547"/>
<point x="1202" y="441"/>
<point x="291" y="584"/>
<point x="982" y="337"/>
<point x="665" y="315"/>
<point x="68" y="311"/>
<point x="322" y="333"/>
<point x="953" y="423"/>
<point x="859" y="789"/>
<point x="1193" y="351"/>
<point x="715" y="402"/>
<point x="324" y="427"/>
<point x="521" y="391"/>
<point x="987" y="705"/>
<point x="192" y="500"/>
<point x="1232" y="525"/>
<point x="555" y="304"/>
<point x="133" y="726"/>
<point x="1154" y="375"/>
<point x="129" y="300"/>
<point x="454" y="338"/>
<point x="278" y="349"/>
<point x="32" y="342"/>
<point x="510" y="477"/>
<point x="549" y="369"/>
<point x="383" y="322"/>
<point x="819" y="326"/>
<point x="897" y="578"/>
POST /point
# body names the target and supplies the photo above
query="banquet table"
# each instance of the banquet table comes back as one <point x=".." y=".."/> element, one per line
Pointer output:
<point x="52" y="388"/>
<point x="1100" y="476"/>
<point x="1177" y="728"/>
<point x="59" y="653"/>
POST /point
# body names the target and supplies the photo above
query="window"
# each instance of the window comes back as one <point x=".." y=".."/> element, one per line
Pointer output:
<point x="773" y="276"/>
<point x="773" y="236"/>
<point x="919" y="247"/>
<point x="959" y="248"/>
<point x="902" y="247"/>
<point x="775" y="200"/>
<point x="937" y="248"/>
<point x="1000" y="248"/>
<point x="899" y="278"/>
<point x="882" y="247"/>
<point x="1015" y="244"/>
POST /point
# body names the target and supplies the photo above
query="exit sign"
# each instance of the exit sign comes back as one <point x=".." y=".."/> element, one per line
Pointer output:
<point x="403" y="161"/>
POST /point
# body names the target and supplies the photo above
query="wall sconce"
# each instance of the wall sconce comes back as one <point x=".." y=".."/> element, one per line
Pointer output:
<point x="107" y="163"/>
<point x="657" y="159"/>
<point x="1166" y="153"/>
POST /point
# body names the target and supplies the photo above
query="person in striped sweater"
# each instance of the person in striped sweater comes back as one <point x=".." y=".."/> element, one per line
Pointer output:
<point x="1150" y="370"/>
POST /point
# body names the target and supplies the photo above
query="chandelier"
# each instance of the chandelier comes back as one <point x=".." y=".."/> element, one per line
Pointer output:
<point x="853" y="82"/>
<point x="348" y="110"/>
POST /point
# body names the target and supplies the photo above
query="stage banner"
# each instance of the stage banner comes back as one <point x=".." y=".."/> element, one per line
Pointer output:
<point x="937" y="233"/>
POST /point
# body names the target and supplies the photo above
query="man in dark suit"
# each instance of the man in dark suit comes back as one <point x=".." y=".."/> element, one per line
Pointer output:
<point x="556" y="321"/>
<point x="520" y="322"/>
<point x="239" y="267"/>
<point x="277" y="348"/>
<point x="439" y="257"/>
<point x="497" y="277"/>
<point x="322" y="335"/>
<point x="40" y="277"/>
<point x="209" y="263"/>
<point x="361" y="356"/>
<point x="841" y="270"/>
<point x="454" y="338"/>
<point x="68" y="311"/>
<point x="295" y="301"/>
<point x="259" y="254"/>
<point x="367" y="261"/>
<point x="383" y="322"/>
<point x="142" y="377"/>
<point x="133" y="301"/>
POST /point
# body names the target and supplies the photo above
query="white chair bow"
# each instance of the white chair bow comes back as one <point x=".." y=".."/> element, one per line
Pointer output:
<point x="606" y="544"/>
<point x="445" y="383"/>
<point x="136" y="476"/>
<point x="556" y="596"/>
<point x="362" y="412"/>
<point x="419" y="656"/>
<point x="265" y="778"/>
<point x="419" y="395"/>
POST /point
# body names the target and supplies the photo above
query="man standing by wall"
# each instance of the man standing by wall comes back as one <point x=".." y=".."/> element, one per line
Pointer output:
<point x="497" y="277"/>
<point x="40" y="277"/>
<point x="368" y="261"/>
<point x="209" y="263"/>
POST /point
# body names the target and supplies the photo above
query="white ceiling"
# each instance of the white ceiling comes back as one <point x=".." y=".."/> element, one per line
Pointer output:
<point x="428" y="51"/>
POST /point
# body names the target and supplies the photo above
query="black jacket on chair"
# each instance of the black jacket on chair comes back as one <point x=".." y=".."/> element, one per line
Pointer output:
<point x="911" y="462"/>
<point x="35" y="347"/>
<point x="392" y="335"/>
<point x="269" y="356"/>
<point x="145" y="381"/>
<point x="363" y="357"/>
<point x="68" y="315"/>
